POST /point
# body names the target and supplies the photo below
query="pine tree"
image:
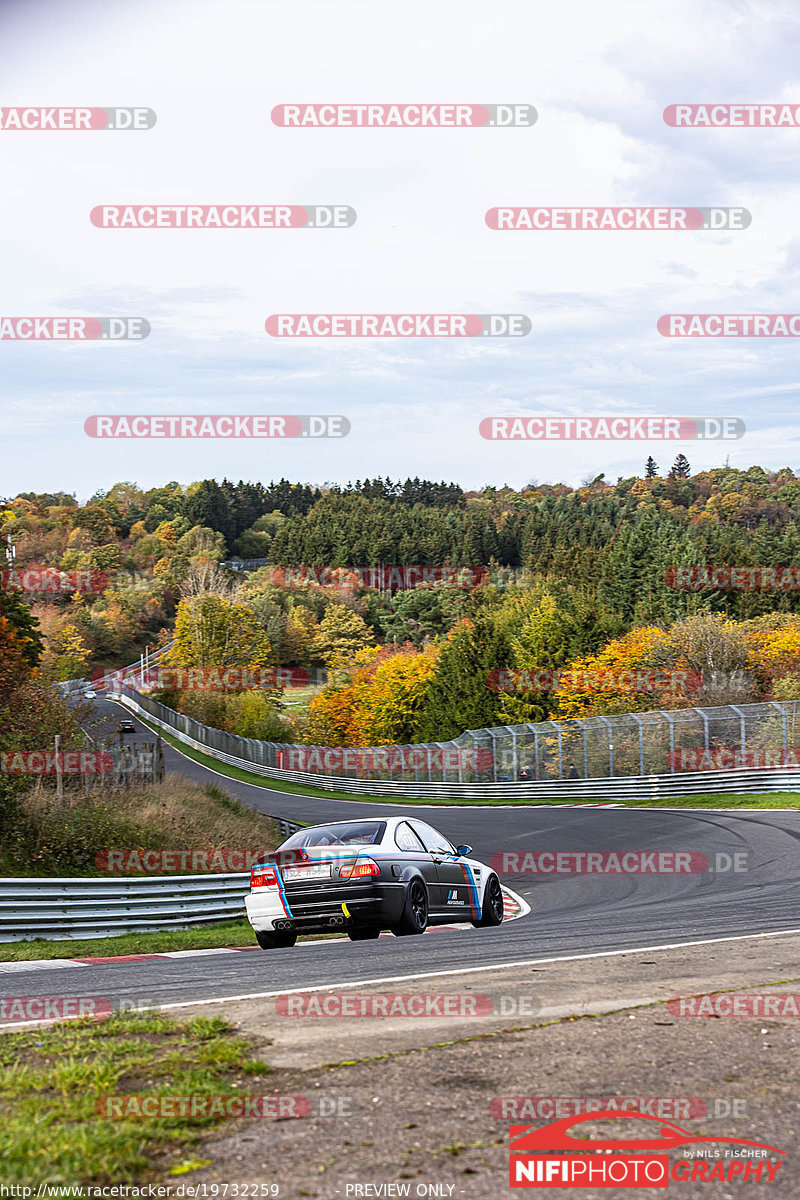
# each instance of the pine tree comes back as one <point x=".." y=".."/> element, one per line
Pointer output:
<point x="651" y="468"/>
<point x="459" y="695"/>
<point x="681" y="468"/>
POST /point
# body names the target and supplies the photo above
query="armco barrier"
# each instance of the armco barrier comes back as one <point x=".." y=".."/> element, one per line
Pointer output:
<point x="639" y="787"/>
<point x="65" y="909"/>
<point x="87" y="908"/>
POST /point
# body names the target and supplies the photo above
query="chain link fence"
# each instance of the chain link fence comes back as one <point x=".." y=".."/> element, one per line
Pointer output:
<point x="599" y="747"/>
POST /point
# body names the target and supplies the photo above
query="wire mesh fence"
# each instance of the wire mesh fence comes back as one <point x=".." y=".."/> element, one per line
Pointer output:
<point x="597" y="747"/>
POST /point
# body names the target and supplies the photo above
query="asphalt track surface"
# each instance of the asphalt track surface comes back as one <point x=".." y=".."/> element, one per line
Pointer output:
<point x="570" y="914"/>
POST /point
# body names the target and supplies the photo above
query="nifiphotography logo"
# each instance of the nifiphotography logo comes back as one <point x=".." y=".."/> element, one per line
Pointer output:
<point x="636" y="1162"/>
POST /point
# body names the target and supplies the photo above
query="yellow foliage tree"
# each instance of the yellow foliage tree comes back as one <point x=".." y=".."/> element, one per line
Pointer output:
<point x="592" y="683"/>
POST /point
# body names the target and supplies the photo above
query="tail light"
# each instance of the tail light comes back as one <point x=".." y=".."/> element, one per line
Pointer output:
<point x="263" y="877"/>
<point x="359" y="869"/>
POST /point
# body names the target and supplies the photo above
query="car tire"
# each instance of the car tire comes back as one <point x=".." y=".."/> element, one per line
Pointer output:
<point x="492" y="907"/>
<point x="363" y="934"/>
<point x="269" y="940"/>
<point x="415" y="914"/>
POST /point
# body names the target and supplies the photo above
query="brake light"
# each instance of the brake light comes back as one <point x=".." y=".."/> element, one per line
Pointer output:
<point x="263" y="877"/>
<point x="356" y="870"/>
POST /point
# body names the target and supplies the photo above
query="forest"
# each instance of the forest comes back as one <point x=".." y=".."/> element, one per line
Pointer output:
<point x="577" y="582"/>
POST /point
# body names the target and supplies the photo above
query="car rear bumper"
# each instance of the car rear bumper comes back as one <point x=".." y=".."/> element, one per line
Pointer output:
<point x="316" y="910"/>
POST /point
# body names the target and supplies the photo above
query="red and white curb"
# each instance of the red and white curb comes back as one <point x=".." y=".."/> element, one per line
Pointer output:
<point x="514" y="907"/>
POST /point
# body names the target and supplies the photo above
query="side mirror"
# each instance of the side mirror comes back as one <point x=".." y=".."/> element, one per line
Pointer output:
<point x="463" y="850"/>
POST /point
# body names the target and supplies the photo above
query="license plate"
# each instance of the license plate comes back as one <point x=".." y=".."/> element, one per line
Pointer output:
<point x="320" y="871"/>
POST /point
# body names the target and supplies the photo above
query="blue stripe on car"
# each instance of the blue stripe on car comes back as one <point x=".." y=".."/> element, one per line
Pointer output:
<point x="474" y="899"/>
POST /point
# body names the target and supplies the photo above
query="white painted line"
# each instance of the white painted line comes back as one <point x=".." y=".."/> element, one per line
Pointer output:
<point x="34" y="964"/>
<point x="525" y="962"/>
<point x="39" y="964"/>
<point x="195" y="953"/>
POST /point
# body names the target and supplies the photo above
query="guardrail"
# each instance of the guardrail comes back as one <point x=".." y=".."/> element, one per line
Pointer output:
<point x="59" y="909"/>
<point x="73" y="687"/>
<point x="619" y="789"/>
<point x="88" y="907"/>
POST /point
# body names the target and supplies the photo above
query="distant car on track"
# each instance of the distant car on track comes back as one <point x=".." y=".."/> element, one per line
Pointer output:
<point x="362" y="877"/>
<point x="90" y="695"/>
<point x="126" y="727"/>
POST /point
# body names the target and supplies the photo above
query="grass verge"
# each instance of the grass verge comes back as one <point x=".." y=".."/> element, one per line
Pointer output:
<point x="210" y="937"/>
<point x="51" y="1080"/>
<point x="725" y="800"/>
<point x="226" y="933"/>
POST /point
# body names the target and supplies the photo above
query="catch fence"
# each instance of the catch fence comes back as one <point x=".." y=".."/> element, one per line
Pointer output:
<point x="565" y="755"/>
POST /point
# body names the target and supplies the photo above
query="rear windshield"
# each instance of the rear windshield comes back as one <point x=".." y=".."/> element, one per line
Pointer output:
<point x="364" y="833"/>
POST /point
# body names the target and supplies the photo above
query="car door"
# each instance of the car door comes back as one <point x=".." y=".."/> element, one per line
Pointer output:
<point x="454" y="883"/>
<point x="413" y="851"/>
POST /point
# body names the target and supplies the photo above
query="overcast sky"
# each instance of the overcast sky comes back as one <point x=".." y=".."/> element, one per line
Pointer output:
<point x="599" y="76"/>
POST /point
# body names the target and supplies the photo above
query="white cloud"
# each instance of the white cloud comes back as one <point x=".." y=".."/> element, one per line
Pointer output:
<point x="599" y="75"/>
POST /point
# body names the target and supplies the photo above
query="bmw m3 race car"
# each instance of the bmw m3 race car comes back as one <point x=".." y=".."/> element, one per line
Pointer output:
<point x="364" y="876"/>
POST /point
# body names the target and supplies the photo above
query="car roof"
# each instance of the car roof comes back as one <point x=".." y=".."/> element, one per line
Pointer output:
<point x="357" y="821"/>
<point x="390" y="821"/>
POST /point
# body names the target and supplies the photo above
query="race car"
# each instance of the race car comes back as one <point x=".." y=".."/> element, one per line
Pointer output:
<point x="362" y="877"/>
<point x="126" y="727"/>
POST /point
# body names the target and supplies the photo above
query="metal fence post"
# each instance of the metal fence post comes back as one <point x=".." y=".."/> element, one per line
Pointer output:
<point x="782" y="711"/>
<point x="514" y="765"/>
<point x="560" y="758"/>
<point x="610" y="728"/>
<point x="671" y="724"/>
<point x="641" y="741"/>
<point x="494" y="754"/>
<point x="705" y="725"/>
<point x="742" y="727"/>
